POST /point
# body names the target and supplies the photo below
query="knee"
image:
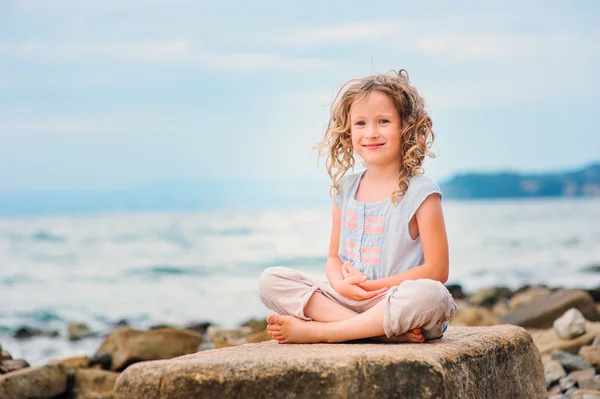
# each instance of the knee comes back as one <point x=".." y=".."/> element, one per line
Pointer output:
<point x="269" y="279"/>
<point x="430" y="292"/>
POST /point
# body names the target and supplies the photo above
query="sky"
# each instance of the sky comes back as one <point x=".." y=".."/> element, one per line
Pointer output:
<point x="109" y="94"/>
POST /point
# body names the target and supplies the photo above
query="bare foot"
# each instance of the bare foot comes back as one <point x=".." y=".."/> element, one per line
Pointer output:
<point x="292" y="330"/>
<point x="413" y="336"/>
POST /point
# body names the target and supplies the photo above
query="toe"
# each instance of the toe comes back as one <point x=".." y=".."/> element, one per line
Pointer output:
<point x="273" y="319"/>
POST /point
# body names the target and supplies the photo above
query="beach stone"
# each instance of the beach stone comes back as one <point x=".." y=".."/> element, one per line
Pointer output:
<point x="199" y="327"/>
<point x="127" y="346"/>
<point x="553" y="371"/>
<point x="4" y="355"/>
<point x="29" y="332"/>
<point x="456" y="291"/>
<point x="102" y="360"/>
<point x="554" y="390"/>
<point x="591" y="354"/>
<point x="34" y="382"/>
<point x="594" y="293"/>
<point x="93" y="384"/>
<point x="494" y="362"/>
<point x="487" y="297"/>
<point x="500" y="309"/>
<point x="74" y="361"/>
<point x="547" y="340"/>
<point x="586" y="394"/>
<point x="216" y="334"/>
<point x="579" y="374"/>
<point x="14" y="365"/>
<point x="592" y="383"/>
<point x="79" y="331"/>
<point x="474" y="316"/>
<point x="523" y="298"/>
<point x="570" y="325"/>
<point x="569" y="361"/>
<point x="256" y="324"/>
<point x="542" y="312"/>
<point x="555" y="396"/>
<point x="257" y="337"/>
<point x="566" y="383"/>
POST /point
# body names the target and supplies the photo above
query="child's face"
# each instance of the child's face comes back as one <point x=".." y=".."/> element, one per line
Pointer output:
<point x="375" y="129"/>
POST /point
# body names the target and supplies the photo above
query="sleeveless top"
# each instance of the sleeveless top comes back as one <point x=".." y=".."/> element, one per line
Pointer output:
<point x="375" y="237"/>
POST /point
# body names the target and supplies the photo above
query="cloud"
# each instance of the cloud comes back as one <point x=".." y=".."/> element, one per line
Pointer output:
<point x="175" y="52"/>
<point x="332" y="34"/>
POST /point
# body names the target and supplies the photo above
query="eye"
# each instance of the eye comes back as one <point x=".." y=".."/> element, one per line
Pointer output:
<point x="384" y="121"/>
<point x="360" y="123"/>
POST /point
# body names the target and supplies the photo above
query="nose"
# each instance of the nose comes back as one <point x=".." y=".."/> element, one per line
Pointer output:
<point x="372" y="132"/>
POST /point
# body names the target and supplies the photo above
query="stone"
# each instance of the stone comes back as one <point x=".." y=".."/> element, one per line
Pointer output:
<point x="542" y="312"/>
<point x="500" y="309"/>
<point x="570" y="325"/>
<point x="260" y="336"/>
<point x="474" y="316"/>
<point x="79" y="331"/>
<point x="526" y="297"/>
<point x="101" y="359"/>
<point x="256" y="325"/>
<point x="34" y="382"/>
<point x="555" y="390"/>
<point x="579" y="374"/>
<point x="29" y="332"/>
<point x="586" y="394"/>
<point x="554" y="371"/>
<point x="569" y="361"/>
<point x="494" y="362"/>
<point x="127" y="346"/>
<point x="592" y="383"/>
<point x="16" y="364"/>
<point x="93" y="384"/>
<point x="487" y="297"/>
<point x="215" y="334"/>
<point x="591" y="354"/>
<point x="74" y="361"/>
<point x="547" y="340"/>
<point x="199" y="327"/>
<point x="4" y="355"/>
<point x="555" y="396"/>
<point x="456" y="291"/>
<point x="566" y="383"/>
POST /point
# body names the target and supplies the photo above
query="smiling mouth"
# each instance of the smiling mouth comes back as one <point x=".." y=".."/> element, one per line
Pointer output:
<point x="372" y="146"/>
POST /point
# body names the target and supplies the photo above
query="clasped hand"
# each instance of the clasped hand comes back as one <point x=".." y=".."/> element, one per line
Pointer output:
<point x="350" y="286"/>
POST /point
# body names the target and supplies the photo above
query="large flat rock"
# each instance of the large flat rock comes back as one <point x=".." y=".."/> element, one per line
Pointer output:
<point x="468" y="362"/>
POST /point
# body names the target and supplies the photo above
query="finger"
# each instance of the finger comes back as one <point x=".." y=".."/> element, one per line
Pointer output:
<point x="356" y="279"/>
<point x="371" y="294"/>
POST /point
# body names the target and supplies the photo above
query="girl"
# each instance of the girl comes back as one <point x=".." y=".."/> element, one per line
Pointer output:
<point x="388" y="252"/>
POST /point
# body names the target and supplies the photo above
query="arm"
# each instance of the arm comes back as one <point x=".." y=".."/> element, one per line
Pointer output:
<point x="431" y="228"/>
<point x="333" y="267"/>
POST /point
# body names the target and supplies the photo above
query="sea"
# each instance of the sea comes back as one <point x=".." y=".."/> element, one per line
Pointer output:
<point x="178" y="268"/>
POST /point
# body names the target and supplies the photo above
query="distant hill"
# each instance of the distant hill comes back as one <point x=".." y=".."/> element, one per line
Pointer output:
<point x="578" y="183"/>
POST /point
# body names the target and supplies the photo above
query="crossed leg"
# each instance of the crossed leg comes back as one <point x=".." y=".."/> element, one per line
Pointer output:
<point x="332" y="322"/>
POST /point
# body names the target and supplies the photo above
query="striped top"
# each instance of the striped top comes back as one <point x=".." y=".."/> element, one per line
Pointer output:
<point x="375" y="237"/>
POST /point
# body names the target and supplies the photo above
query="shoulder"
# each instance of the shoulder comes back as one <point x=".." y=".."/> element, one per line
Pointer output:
<point x="422" y="185"/>
<point x="345" y="187"/>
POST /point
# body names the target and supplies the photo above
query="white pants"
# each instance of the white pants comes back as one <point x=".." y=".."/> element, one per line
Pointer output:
<point x="423" y="303"/>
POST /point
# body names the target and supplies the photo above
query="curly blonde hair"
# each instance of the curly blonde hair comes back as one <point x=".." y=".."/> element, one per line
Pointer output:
<point x="416" y="135"/>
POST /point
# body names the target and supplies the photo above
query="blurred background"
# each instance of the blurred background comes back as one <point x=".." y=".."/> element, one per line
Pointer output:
<point x="156" y="156"/>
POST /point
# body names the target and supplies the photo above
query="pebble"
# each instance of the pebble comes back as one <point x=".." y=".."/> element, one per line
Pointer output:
<point x="570" y="325"/>
<point x="570" y="362"/>
<point x="592" y="383"/>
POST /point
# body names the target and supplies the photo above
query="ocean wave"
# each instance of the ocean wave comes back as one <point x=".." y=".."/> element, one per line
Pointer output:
<point x="159" y="271"/>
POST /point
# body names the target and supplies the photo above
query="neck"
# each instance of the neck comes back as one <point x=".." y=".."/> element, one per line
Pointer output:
<point x="382" y="173"/>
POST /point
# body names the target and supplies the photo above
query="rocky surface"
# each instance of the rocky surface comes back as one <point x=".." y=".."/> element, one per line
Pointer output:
<point x="127" y="346"/>
<point x="497" y="362"/>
